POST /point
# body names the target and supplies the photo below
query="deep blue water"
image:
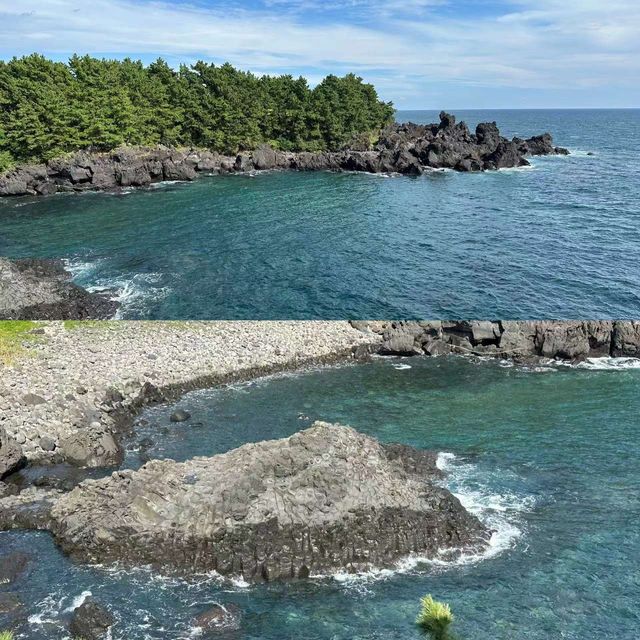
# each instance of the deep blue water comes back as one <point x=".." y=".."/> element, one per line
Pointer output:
<point x="559" y="240"/>
<point x="548" y="457"/>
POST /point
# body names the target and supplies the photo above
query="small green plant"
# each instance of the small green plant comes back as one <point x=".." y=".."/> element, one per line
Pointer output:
<point x="6" y="635"/>
<point x="13" y="333"/>
<point x="435" y="617"/>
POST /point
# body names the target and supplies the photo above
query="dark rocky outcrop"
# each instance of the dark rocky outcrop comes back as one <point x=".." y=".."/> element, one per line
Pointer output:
<point x="11" y="455"/>
<point x="572" y="340"/>
<point x="325" y="499"/>
<point x="402" y="148"/>
<point x="90" y="621"/>
<point x="40" y="289"/>
<point x="12" y="567"/>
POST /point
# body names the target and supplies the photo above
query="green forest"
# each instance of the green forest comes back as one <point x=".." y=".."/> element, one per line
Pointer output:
<point x="51" y="108"/>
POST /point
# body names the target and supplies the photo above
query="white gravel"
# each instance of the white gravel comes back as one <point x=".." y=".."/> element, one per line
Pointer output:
<point x="60" y="385"/>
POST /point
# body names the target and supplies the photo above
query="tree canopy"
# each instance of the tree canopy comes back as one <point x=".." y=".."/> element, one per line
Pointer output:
<point x="50" y="108"/>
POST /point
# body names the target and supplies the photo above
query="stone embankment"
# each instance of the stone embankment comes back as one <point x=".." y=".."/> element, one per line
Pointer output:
<point x="402" y="148"/>
<point x="76" y="388"/>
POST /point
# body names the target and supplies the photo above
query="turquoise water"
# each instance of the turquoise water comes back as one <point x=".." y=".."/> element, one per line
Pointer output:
<point x="559" y="240"/>
<point x="547" y="457"/>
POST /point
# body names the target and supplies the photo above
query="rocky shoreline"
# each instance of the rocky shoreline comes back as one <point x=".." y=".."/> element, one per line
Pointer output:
<point x="569" y="340"/>
<point x="324" y="500"/>
<point x="76" y="389"/>
<point x="41" y="289"/>
<point x="408" y="149"/>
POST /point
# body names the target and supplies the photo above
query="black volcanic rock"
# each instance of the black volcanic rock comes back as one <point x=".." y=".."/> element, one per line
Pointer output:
<point x="325" y="499"/>
<point x="91" y="621"/>
<point x="39" y="289"/>
<point x="402" y="148"/>
<point x="572" y="340"/>
<point x="11" y="455"/>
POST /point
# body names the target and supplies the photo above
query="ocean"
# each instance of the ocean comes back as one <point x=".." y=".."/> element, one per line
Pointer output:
<point x="560" y="239"/>
<point x="546" y="456"/>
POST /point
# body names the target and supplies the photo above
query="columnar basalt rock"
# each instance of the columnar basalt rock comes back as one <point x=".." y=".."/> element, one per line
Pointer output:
<point x="402" y="148"/>
<point x="323" y="500"/>
<point x="572" y="340"/>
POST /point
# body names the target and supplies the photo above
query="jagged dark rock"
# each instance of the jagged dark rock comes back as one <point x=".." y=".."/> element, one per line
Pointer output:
<point x="11" y="455"/>
<point x="325" y="499"/>
<point x="572" y="340"/>
<point x="91" y="621"/>
<point x="40" y="289"/>
<point x="402" y="148"/>
<point x="12" y="566"/>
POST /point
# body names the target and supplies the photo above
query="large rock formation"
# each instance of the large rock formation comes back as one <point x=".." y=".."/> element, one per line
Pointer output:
<point x="325" y="499"/>
<point x="11" y="456"/>
<point x="556" y="339"/>
<point x="37" y="289"/>
<point x="402" y="148"/>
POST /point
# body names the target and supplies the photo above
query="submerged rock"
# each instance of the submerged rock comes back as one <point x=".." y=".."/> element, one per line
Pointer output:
<point x="218" y="619"/>
<point x="12" y="566"/>
<point x="326" y="499"/>
<point x="37" y="289"/>
<point x="180" y="416"/>
<point x="91" y="621"/>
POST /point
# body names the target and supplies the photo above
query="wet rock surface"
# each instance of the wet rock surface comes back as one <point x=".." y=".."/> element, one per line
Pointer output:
<point x="571" y="340"/>
<point x="91" y="621"/>
<point x="325" y="499"/>
<point x="402" y="148"/>
<point x="39" y="289"/>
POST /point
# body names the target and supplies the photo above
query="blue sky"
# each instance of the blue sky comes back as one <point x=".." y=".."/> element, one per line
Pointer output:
<point x="427" y="54"/>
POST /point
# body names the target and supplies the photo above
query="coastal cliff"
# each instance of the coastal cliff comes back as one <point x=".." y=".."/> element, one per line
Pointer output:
<point x="408" y="149"/>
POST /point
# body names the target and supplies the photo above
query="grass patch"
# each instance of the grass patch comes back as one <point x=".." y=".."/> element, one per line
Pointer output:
<point x="13" y="333"/>
<point x="6" y="635"/>
<point x="435" y="617"/>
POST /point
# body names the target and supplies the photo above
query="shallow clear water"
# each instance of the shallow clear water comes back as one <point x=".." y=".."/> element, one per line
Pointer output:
<point x="561" y="239"/>
<point x="547" y="456"/>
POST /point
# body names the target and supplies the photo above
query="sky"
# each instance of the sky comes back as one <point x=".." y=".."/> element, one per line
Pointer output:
<point x="421" y="54"/>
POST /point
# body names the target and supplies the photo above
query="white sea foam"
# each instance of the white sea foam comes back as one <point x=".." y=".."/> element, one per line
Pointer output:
<point x="529" y="167"/>
<point x="77" y="601"/>
<point x="605" y="364"/>
<point x="500" y="512"/>
<point x="79" y="267"/>
<point x="402" y="366"/>
<point x="132" y="291"/>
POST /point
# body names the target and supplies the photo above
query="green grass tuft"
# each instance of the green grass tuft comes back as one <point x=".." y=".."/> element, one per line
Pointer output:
<point x="434" y="617"/>
<point x="6" y="635"/>
<point x="12" y="335"/>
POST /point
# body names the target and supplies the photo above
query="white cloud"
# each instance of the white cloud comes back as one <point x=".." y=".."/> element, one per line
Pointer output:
<point x="530" y="44"/>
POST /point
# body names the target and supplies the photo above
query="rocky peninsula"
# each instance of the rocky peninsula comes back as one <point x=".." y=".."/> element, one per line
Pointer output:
<point x="408" y="149"/>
